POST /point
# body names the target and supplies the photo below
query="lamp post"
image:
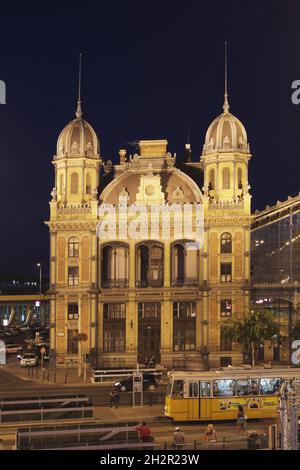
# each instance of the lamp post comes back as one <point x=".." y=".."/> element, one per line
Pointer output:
<point x="39" y="265"/>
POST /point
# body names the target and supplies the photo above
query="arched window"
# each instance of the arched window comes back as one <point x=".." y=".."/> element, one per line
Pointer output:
<point x="240" y="181"/>
<point x="226" y="243"/>
<point x="74" y="183"/>
<point x="115" y="265"/>
<point x="88" y="186"/>
<point x="73" y="247"/>
<point x="150" y="265"/>
<point x="211" y="183"/>
<point x="184" y="262"/>
<point x="226" y="178"/>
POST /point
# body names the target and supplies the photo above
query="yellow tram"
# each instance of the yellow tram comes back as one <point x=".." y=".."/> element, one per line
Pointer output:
<point x="215" y="395"/>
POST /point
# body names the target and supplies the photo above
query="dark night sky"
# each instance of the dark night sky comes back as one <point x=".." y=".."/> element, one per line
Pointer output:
<point x="148" y="70"/>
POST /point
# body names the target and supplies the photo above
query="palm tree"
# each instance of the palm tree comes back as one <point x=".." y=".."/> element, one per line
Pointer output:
<point x="252" y="329"/>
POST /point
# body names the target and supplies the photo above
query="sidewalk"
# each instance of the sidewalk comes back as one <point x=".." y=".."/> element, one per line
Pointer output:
<point x="138" y="413"/>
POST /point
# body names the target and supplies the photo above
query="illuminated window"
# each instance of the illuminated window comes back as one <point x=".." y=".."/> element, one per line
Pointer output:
<point x="226" y="308"/>
<point x="226" y="243"/>
<point x="226" y="272"/>
<point x="73" y="276"/>
<point x="73" y="248"/>
<point x="73" y="311"/>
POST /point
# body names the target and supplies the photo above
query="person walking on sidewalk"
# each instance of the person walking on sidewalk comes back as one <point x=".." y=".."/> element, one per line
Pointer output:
<point x="178" y="440"/>
<point x="144" y="432"/>
<point x="114" y="397"/>
<point x="241" y="420"/>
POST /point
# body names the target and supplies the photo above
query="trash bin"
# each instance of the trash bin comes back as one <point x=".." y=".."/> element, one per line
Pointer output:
<point x="253" y="440"/>
<point x="264" y="441"/>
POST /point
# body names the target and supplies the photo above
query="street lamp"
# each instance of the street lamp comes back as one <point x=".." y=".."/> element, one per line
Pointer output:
<point x="39" y="265"/>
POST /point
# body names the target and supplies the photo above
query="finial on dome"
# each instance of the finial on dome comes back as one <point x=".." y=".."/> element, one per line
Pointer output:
<point x="226" y="104"/>
<point x="78" y="110"/>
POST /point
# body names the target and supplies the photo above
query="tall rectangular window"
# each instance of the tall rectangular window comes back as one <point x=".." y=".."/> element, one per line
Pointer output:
<point x="73" y="311"/>
<point x="184" y="326"/>
<point x="226" y="308"/>
<point x="114" y="327"/>
<point x="226" y="272"/>
<point x="72" y="342"/>
<point x="73" y="276"/>
<point x="73" y="248"/>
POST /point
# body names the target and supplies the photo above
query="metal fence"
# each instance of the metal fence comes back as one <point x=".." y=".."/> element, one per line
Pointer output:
<point x="45" y="408"/>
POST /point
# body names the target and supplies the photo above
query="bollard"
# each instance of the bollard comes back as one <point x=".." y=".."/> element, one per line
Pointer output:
<point x="223" y="443"/>
<point x="28" y="371"/>
<point x="54" y="377"/>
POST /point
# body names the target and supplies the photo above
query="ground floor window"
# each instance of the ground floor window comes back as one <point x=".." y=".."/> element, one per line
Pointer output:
<point x="184" y="326"/>
<point x="149" y="331"/>
<point x="72" y="341"/>
<point x="114" y="328"/>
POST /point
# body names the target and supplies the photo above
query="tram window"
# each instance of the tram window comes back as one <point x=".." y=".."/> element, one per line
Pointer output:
<point x="177" y="391"/>
<point x="193" y="389"/>
<point x="270" y="386"/>
<point x="247" y="387"/>
<point x="205" y="389"/>
<point x="224" y="388"/>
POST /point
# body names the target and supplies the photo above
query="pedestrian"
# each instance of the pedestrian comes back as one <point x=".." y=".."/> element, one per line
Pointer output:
<point x="146" y="361"/>
<point x="152" y="363"/>
<point x="178" y="440"/>
<point x="114" y="397"/>
<point x="210" y="434"/>
<point x="144" y="432"/>
<point x="241" y="420"/>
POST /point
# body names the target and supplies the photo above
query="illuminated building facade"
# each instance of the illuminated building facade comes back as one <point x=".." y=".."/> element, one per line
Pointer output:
<point x="122" y="300"/>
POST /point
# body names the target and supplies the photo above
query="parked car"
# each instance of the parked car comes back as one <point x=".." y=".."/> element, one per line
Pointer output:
<point x="29" y="360"/>
<point x="150" y="382"/>
<point x="12" y="348"/>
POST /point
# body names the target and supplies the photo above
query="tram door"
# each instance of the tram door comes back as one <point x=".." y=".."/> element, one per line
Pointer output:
<point x="205" y="400"/>
<point x="193" y="402"/>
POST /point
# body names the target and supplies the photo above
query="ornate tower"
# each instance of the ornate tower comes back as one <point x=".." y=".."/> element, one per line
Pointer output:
<point x="226" y="265"/>
<point x="73" y="241"/>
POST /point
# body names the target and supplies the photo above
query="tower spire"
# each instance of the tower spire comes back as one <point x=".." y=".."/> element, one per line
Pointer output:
<point x="79" y="111"/>
<point x="226" y="104"/>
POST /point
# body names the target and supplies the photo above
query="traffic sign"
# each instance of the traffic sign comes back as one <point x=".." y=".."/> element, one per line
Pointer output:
<point x="43" y="350"/>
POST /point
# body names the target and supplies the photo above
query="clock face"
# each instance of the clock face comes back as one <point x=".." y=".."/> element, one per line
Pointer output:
<point x="150" y="190"/>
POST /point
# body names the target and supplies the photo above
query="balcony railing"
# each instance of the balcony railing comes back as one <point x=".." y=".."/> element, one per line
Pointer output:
<point x="115" y="283"/>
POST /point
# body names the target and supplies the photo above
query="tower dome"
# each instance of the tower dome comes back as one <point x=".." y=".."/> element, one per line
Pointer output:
<point x="78" y="138"/>
<point x="226" y="134"/>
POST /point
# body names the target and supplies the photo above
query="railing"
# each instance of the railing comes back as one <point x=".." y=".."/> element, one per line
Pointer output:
<point x="91" y="436"/>
<point x="44" y="408"/>
<point x="114" y="283"/>
<point x="254" y="442"/>
<point x="110" y="375"/>
<point x="146" y="283"/>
